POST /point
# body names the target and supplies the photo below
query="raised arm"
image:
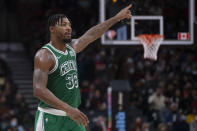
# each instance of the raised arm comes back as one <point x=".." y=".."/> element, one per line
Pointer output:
<point x="97" y="31"/>
<point x="43" y="62"/>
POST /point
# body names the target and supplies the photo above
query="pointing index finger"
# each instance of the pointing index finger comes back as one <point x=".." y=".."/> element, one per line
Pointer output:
<point x="129" y="6"/>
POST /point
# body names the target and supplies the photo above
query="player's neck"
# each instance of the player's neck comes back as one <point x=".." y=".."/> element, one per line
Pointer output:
<point x="58" y="44"/>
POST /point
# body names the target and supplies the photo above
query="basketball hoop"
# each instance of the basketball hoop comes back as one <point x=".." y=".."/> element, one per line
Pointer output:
<point x="151" y="43"/>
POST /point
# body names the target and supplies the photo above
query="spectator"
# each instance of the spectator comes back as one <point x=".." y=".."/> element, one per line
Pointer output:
<point x="157" y="100"/>
<point x="162" y="127"/>
<point x="193" y="124"/>
<point x="180" y="124"/>
<point x="13" y="109"/>
<point x="99" y="124"/>
<point x="137" y="125"/>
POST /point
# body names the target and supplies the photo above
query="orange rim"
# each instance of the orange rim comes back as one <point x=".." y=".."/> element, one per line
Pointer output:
<point x="149" y="38"/>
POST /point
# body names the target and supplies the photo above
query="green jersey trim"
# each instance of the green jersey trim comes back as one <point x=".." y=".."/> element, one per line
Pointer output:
<point x="71" y="49"/>
<point x="56" y="61"/>
<point x="61" y="52"/>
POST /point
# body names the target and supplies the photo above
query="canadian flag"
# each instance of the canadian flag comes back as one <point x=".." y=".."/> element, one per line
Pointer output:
<point x="183" y="36"/>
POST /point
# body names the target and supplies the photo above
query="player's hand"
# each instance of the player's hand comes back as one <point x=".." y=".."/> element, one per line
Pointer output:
<point x="78" y="116"/>
<point x="124" y="13"/>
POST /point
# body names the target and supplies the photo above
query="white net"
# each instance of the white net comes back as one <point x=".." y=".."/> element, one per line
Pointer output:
<point x="151" y="45"/>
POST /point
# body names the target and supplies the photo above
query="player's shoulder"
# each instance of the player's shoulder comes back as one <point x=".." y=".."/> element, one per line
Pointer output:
<point x="42" y="53"/>
<point x="43" y="56"/>
<point x="73" y="42"/>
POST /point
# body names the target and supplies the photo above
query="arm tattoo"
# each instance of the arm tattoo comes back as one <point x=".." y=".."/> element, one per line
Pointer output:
<point x="99" y="29"/>
<point x="40" y="76"/>
<point x="94" y="33"/>
<point x="42" y="62"/>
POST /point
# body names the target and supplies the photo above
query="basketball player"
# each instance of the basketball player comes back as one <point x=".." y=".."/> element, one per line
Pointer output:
<point x="55" y="80"/>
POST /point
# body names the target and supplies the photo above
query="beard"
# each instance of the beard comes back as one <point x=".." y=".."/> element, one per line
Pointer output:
<point x="67" y="40"/>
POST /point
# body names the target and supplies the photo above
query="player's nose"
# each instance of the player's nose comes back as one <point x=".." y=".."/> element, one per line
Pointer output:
<point x="69" y="29"/>
<point x="69" y="26"/>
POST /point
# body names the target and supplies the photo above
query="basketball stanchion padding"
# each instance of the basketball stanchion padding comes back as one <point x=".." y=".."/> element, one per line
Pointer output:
<point x="151" y="43"/>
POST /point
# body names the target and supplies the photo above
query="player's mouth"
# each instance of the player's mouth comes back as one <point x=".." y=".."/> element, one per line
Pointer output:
<point x="67" y="34"/>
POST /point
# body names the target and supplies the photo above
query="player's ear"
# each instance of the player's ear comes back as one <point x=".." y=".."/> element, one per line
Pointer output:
<point x="51" y="29"/>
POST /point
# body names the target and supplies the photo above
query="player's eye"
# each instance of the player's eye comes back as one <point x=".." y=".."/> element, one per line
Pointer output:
<point x="63" y="24"/>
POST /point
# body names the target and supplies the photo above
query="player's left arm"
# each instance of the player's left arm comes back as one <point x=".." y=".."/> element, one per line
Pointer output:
<point x="97" y="31"/>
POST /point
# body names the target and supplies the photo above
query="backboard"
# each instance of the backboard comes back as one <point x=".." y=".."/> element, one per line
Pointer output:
<point x="173" y="19"/>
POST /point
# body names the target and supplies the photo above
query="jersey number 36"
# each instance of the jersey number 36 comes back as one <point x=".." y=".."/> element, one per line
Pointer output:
<point x="71" y="81"/>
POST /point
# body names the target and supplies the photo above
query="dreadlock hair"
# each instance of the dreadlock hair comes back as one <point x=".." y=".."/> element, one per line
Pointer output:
<point x="53" y="20"/>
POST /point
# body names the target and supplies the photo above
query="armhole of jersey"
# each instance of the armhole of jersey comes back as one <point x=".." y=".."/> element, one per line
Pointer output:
<point x="71" y="49"/>
<point x="56" y="61"/>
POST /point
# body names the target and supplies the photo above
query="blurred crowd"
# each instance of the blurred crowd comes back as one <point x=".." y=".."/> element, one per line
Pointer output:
<point x="163" y="93"/>
<point x="14" y="113"/>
